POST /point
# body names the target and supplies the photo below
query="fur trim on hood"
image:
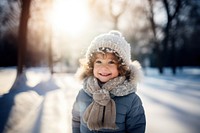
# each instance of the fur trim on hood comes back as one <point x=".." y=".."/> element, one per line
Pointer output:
<point x="136" y="72"/>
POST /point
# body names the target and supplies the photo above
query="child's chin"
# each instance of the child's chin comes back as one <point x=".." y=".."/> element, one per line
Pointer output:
<point x="103" y="80"/>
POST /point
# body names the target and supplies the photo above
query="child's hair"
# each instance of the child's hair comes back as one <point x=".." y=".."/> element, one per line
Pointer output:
<point x="111" y="42"/>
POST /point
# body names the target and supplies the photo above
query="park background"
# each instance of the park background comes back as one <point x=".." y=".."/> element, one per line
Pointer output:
<point x="41" y="43"/>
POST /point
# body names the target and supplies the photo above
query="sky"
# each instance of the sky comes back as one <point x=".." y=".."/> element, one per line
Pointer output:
<point x="70" y="16"/>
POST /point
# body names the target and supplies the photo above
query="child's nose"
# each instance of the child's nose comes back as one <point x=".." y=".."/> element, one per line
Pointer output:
<point x="104" y="66"/>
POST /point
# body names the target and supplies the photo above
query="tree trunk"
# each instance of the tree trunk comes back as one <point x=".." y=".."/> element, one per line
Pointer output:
<point x="22" y="35"/>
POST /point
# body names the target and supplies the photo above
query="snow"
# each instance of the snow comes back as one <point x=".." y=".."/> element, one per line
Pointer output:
<point x="41" y="102"/>
<point x="172" y="102"/>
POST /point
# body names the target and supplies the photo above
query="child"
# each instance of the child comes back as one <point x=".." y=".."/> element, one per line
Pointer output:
<point x="108" y="102"/>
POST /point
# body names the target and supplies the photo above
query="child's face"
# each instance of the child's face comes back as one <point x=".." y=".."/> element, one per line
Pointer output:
<point x="105" y="67"/>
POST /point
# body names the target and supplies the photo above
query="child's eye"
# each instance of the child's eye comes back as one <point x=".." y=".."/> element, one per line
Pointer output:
<point x="111" y="62"/>
<point x="98" y="62"/>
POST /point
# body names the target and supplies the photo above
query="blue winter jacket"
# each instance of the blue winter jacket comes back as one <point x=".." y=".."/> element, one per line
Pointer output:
<point x="130" y="115"/>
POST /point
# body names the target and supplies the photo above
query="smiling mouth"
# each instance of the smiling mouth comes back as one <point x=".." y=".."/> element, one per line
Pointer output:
<point x="105" y="74"/>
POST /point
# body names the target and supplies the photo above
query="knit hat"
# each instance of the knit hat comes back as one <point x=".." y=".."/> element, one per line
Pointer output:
<point x="115" y="42"/>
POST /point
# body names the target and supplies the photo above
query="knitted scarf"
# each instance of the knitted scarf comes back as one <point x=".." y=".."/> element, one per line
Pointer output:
<point x="101" y="113"/>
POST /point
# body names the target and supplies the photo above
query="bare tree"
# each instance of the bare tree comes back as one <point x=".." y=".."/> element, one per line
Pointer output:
<point x="22" y="35"/>
<point x="116" y="9"/>
<point x="111" y="10"/>
<point x="172" y="9"/>
<point x="156" y="47"/>
<point x="171" y="12"/>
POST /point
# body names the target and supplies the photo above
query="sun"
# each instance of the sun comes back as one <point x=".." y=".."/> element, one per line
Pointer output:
<point x="69" y="16"/>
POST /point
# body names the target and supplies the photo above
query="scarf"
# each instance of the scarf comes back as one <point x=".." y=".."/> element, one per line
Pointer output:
<point x="101" y="113"/>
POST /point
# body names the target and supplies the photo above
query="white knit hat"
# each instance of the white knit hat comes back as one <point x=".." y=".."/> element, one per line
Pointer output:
<point x="114" y="41"/>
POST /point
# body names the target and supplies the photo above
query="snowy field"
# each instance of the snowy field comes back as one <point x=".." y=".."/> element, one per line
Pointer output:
<point x="42" y="103"/>
<point x="172" y="103"/>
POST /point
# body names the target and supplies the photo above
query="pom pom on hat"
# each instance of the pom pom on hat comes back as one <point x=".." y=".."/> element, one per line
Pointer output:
<point x="112" y="40"/>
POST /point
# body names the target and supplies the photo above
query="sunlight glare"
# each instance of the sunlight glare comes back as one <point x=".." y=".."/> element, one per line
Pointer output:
<point x="69" y="16"/>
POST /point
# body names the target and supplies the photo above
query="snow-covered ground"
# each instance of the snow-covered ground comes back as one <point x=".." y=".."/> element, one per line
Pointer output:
<point x="172" y="103"/>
